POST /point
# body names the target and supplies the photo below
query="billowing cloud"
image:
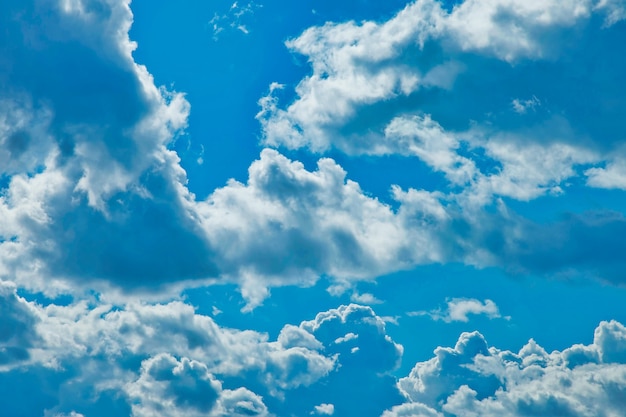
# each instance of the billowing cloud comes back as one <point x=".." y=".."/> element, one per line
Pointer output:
<point x="91" y="191"/>
<point x="186" y="388"/>
<point x="473" y="379"/>
<point x="93" y="198"/>
<point x="94" y="203"/>
<point x="155" y="359"/>
<point x="378" y="88"/>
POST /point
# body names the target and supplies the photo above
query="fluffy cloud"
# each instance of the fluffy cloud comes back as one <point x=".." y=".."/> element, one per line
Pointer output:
<point x="325" y="409"/>
<point x="474" y="380"/>
<point x="144" y="360"/>
<point x="186" y="388"/>
<point x="319" y="223"/>
<point x="365" y="353"/>
<point x="77" y="168"/>
<point x="139" y="330"/>
<point x="380" y="88"/>
<point x="356" y="66"/>
<point x="96" y="200"/>
<point x="91" y="191"/>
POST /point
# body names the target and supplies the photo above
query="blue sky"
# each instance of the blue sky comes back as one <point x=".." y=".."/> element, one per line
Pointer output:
<point x="271" y="208"/>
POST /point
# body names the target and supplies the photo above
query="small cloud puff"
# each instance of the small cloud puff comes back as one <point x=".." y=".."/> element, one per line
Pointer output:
<point x="324" y="410"/>
<point x="459" y="309"/>
<point x="364" y="298"/>
<point x="522" y="106"/>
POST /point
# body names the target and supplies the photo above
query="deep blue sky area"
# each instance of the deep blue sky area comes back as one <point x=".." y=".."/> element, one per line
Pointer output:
<point x="331" y="208"/>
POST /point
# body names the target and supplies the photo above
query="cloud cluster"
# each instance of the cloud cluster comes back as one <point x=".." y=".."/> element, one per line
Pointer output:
<point x="186" y="388"/>
<point x="470" y="93"/>
<point x="91" y="192"/>
<point x="473" y="379"/>
<point x="93" y="198"/>
<point x="379" y="88"/>
<point x="154" y="359"/>
<point x="358" y="67"/>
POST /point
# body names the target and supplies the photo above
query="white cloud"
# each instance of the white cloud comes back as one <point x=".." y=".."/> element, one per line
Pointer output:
<point x="175" y="328"/>
<point x="173" y="387"/>
<point x="366" y="78"/>
<point x="473" y="380"/>
<point x="611" y="176"/>
<point x="411" y="410"/>
<point x="186" y="388"/>
<point x="71" y="414"/>
<point x="324" y="410"/>
<point x="338" y="229"/>
<point x="357" y="65"/>
<point x="364" y="298"/>
<point x="167" y="359"/>
<point x="614" y="9"/>
<point x="459" y="309"/>
<point x="102" y="168"/>
<point x="188" y="355"/>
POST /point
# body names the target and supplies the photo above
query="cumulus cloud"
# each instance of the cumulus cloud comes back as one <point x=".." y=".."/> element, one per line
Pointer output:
<point x="154" y="359"/>
<point x="364" y="298"/>
<point x="356" y="65"/>
<point x="320" y="223"/>
<point x="88" y="139"/>
<point x="473" y="379"/>
<point x="459" y="309"/>
<point x="365" y="353"/>
<point x="186" y="388"/>
<point x="78" y="168"/>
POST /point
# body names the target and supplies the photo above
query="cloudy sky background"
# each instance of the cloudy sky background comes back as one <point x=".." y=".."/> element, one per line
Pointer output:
<point x="312" y="208"/>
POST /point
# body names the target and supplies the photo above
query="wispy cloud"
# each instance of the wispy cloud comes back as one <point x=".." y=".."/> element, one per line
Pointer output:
<point x="523" y="106"/>
<point x="235" y="18"/>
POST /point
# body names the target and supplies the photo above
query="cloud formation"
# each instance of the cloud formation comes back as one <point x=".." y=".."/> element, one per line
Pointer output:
<point x="80" y="168"/>
<point x="473" y="379"/>
<point x="153" y="359"/>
